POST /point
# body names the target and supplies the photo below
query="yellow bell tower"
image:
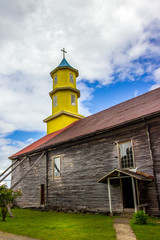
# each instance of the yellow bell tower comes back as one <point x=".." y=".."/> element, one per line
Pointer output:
<point x="64" y="97"/>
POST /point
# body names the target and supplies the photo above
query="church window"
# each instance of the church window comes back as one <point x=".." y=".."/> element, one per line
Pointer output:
<point x="55" y="101"/>
<point x="71" y="78"/>
<point x="73" y="100"/>
<point x="56" y="166"/>
<point x="55" y="79"/>
<point x="126" y="154"/>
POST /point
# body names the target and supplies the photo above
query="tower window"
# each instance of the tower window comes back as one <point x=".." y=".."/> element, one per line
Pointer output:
<point x="71" y="78"/>
<point x="55" y="79"/>
<point x="73" y="100"/>
<point x="126" y="154"/>
<point x="55" y="101"/>
<point x="56" y="166"/>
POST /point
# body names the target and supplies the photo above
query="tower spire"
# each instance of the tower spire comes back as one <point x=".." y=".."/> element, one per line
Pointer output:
<point x="64" y="97"/>
<point x="63" y="50"/>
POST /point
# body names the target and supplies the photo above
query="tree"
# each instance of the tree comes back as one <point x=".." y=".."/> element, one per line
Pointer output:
<point x="6" y="198"/>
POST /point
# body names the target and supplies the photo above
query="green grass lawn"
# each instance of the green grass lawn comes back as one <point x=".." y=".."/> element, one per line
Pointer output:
<point x="59" y="226"/>
<point x="150" y="231"/>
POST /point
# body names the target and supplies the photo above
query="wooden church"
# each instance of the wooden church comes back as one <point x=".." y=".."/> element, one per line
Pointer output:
<point x="108" y="162"/>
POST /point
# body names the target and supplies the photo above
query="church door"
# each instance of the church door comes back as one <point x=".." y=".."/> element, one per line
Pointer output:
<point x="127" y="190"/>
<point x="42" y="194"/>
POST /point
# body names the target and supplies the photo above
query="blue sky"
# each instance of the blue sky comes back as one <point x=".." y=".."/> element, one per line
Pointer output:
<point x="115" y="45"/>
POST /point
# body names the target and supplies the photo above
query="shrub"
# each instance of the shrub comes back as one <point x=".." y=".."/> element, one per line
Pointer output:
<point x="6" y="197"/>
<point x="140" y="217"/>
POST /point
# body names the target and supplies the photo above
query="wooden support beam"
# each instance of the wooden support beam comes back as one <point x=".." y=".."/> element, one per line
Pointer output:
<point x="109" y="195"/>
<point x="134" y="194"/>
<point x="119" y="177"/>
<point x="8" y="168"/>
<point x="28" y="171"/>
<point x="13" y="169"/>
<point x="137" y="191"/>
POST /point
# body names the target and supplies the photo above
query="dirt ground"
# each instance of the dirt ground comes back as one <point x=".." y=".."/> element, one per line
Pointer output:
<point x="9" y="236"/>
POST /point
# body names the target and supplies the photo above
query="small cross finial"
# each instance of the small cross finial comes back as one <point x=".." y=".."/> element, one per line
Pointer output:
<point x="63" y="50"/>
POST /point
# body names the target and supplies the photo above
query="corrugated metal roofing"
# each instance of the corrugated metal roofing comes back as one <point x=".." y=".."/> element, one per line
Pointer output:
<point x="115" y="116"/>
<point x="38" y="143"/>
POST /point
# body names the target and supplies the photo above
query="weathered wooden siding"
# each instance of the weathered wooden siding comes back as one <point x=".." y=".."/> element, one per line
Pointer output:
<point x="154" y="129"/>
<point x="85" y="162"/>
<point x="30" y="185"/>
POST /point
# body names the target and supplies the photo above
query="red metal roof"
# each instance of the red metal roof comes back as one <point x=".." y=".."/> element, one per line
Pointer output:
<point x="117" y="115"/>
<point x="38" y="143"/>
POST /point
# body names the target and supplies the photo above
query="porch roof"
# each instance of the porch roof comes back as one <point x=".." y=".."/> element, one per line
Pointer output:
<point x="120" y="173"/>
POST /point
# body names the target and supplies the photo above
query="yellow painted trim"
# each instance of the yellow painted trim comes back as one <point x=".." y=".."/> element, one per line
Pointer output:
<point x="63" y="89"/>
<point x="64" y="102"/>
<point x="60" y="122"/>
<point x="66" y="67"/>
<point x="63" y="79"/>
<point x="63" y="112"/>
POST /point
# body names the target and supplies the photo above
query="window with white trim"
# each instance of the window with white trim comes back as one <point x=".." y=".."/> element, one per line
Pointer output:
<point x="55" y="101"/>
<point x="126" y="154"/>
<point x="55" y="79"/>
<point x="56" y="166"/>
<point x="73" y="100"/>
<point x="71" y="77"/>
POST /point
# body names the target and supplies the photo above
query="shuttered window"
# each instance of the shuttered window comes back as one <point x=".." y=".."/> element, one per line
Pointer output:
<point x="55" y="79"/>
<point x="73" y="100"/>
<point x="55" y="101"/>
<point x="71" y="78"/>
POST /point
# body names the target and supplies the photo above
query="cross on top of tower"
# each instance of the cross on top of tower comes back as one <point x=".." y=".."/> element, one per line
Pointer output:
<point x="63" y="50"/>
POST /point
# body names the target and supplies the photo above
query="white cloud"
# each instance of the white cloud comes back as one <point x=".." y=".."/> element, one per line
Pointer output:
<point x="154" y="86"/>
<point x="136" y="92"/>
<point x="156" y="75"/>
<point x="7" y="148"/>
<point x="101" y="37"/>
<point x="86" y="96"/>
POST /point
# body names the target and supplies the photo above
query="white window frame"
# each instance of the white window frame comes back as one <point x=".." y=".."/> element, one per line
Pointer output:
<point x="129" y="157"/>
<point x="71" y="78"/>
<point x="53" y="162"/>
<point x="55" y="103"/>
<point x="73" y="103"/>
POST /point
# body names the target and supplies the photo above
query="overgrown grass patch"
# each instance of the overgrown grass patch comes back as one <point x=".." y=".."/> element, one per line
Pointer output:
<point x="59" y="226"/>
<point x="147" y="232"/>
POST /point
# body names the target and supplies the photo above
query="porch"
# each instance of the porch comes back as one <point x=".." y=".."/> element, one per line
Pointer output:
<point x="129" y="187"/>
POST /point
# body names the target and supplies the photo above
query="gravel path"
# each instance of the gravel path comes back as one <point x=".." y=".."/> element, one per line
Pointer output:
<point x="9" y="236"/>
<point x="123" y="229"/>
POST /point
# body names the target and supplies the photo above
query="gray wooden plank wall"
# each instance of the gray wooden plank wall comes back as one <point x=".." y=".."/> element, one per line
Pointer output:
<point x="85" y="162"/>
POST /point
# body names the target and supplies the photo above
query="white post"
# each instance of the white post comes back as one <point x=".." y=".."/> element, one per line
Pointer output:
<point x="109" y="195"/>
<point x="134" y="194"/>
